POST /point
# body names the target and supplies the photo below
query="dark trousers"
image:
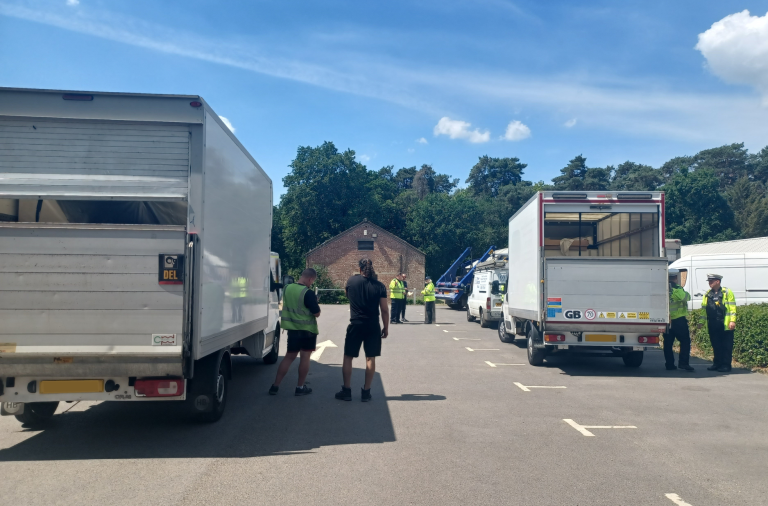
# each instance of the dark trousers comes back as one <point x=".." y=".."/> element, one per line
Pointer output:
<point x="678" y="329"/>
<point x="429" y="312"/>
<point x="722" y="344"/>
<point x="394" y="315"/>
<point x="403" y="303"/>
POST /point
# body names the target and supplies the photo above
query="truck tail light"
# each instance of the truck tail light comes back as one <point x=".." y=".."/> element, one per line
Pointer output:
<point x="159" y="387"/>
<point x="488" y="303"/>
<point x="554" y="338"/>
<point x="648" y="339"/>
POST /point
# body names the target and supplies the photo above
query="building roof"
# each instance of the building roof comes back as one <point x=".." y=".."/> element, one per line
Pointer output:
<point x="755" y="245"/>
<point x="371" y="224"/>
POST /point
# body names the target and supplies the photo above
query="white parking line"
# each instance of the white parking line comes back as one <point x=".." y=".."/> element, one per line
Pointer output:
<point x="464" y="339"/>
<point x="527" y="388"/>
<point x="454" y="330"/>
<point x="677" y="500"/>
<point x="482" y="349"/>
<point x="495" y="365"/>
<point x="585" y="432"/>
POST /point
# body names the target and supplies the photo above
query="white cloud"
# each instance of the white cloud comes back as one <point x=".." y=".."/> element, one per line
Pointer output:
<point x="457" y="129"/>
<point x="73" y="3"/>
<point x="365" y="158"/>
<point x="228" y="123"/>
<point x="422" y="140"/>
<point x="570" y="123"/>
<point x="736" y="49"/>
<point x="516" y="131"/>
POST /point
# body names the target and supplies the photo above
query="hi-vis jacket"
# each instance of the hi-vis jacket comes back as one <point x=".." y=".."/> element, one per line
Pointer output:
<point x="397" y="289"/>
<point x="724" y="303"/>
<point x="678" y="302"/>
<point x="295" y="315"/>
<point x="429" y="292"/>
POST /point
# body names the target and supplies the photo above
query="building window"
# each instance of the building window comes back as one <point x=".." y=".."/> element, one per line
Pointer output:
<point x="364" y="245"/>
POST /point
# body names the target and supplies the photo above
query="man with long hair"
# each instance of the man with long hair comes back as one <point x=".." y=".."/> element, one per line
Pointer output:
<point x="366" y="297"/>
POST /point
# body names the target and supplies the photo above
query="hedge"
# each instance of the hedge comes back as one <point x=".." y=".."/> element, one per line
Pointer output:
<point x="750" y="339"/>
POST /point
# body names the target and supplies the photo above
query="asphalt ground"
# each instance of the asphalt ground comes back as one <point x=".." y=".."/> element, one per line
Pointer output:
<point x="444" y="427"/>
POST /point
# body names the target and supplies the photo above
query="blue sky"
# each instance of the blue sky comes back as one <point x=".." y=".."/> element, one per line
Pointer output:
<point x="404" y="83"/>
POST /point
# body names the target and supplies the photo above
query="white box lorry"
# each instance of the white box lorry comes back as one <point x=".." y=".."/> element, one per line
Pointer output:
<point x="588" y="273"/>
<point x="134" y="252"/>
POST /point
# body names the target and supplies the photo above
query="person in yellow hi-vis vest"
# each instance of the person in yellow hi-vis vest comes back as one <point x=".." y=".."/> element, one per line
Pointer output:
<point x="429" y="301"/>
<point x="238" y="291"/>
<point x="397" y="294"/>
<point x="678" y="325"/>
<point x="720" y="305"/>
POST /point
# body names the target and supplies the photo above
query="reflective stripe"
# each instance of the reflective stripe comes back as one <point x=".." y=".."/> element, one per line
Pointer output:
<point x="295" y="315"/>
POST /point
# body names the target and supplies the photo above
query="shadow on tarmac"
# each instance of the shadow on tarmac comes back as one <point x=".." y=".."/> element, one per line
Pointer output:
<point x="254" y="423"/>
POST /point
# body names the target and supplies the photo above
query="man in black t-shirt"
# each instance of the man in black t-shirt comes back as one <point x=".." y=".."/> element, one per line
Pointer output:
<point x="366" y="297"/>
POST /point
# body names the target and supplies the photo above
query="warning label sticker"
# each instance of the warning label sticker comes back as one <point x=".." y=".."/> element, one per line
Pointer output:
<point x="644" y="315"/>
<point x="632" y="316"/>
<point x="610" y="314"/>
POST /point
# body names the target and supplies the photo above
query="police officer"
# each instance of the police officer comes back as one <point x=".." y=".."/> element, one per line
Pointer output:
<point x="678" y="325"/>
<point x="429" y="301"/>
<point x="397" y="295"/>
<point x="721" y="320"/>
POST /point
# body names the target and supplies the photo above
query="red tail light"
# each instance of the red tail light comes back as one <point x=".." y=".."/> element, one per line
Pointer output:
<point x="159" y="388"/>
<point x="554" y="338"/>
<point x="488" y="303"/>
<point x="648" y="339"/>
<point x="196" y="104"/>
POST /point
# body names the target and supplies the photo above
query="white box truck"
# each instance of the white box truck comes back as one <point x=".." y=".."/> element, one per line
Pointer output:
<point x="588" y="273"/>
<point x="134" y="252"/>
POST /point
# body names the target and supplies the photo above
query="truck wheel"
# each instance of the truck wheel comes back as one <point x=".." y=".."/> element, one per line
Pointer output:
<point x="633" y="359"/>
<point x="37" y="413"/>
<point x="535" y="355"/>
<point x="210" y="388"/>
<point x="503" y="336"/>
<point x="462" y="303"/>
<point x="483" y="322"/>
<point x="470" y="318"/>
<point x="271" y="357"/>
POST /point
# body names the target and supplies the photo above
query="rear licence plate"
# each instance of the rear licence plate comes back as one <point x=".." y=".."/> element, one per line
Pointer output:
<point x="600" y="338"/>
<point x="498" y="304"/>
<point x="71" y="387"/>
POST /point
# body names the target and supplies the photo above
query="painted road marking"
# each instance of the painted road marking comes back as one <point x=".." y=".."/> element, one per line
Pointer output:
<point x="320" y="349"/>
<point x="527" y="388"/>
<point x="454" y="330"/>
<point x="585" y="432"/>
<point x="464" y="339"/>
<point x="677" y="500"/>
<point x="482" y="349"/>
<point x="496" y="365"/>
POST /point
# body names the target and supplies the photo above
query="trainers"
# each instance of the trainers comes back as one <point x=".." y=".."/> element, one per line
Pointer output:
<point x="671" y="367"/>
<point x="273" y="390"/>
<point x="365" y="395"/>
<point x="345" y="394"/>
<point x="686" y="367"/>
<point x="405" y="321"/>
<point x="305" y="390"/>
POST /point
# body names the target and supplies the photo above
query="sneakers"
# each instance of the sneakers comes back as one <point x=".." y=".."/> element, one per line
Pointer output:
<point x="686" y="367"/>
<point x="365" y="395"/>
<point x="404" y="320"/>
<point x="305" y="390"/>
<point x="345" y="394"/>
<point x="273" y="390"/>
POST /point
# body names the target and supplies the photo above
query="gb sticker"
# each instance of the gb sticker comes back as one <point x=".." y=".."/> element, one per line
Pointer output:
<point x="573" y="315"/>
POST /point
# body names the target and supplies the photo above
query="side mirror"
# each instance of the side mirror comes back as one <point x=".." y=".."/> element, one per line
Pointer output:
<point x="287" y="280"/>
<point x="495" y="288"/>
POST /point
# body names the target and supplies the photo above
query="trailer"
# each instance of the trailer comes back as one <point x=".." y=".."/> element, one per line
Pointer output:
<point x="134" y="252"/>
<point x="588" y="274"/>
<point x="454" y="286"/>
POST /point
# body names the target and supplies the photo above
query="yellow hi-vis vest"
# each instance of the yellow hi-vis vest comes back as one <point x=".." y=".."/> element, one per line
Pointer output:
<point x="295" y="315"/>
<point x="729" y="301"/>
<point x="239" y="287"/>
<point x="429" y="292"/>
<point x="678" y="302"/>
<point x="397" y="289"/>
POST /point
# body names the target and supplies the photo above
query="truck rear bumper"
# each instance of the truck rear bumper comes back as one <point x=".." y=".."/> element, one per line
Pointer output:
<point x="64" y="363"/>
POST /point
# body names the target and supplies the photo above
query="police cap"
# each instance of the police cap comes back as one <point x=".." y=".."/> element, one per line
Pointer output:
<point x="427" y="278"/>
<point x="714" y="276"/>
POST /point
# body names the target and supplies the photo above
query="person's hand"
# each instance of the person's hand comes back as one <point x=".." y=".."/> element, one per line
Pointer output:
<point x="731" y="325"/>
<point x="385" y="332"/>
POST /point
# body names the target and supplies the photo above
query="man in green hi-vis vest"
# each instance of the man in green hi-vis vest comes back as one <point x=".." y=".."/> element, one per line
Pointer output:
<point x="299" y="317"/>
<point x="678" y="325"/>
<point x="429" y="300"/>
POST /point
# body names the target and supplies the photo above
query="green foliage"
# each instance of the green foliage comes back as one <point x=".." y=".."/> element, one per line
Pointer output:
<point x="489" y="175"/>
<point x="576" y="176"/>
<point x="750" y="339"/>
<point x="630" y="176"/>
<point x="324" y="282"/>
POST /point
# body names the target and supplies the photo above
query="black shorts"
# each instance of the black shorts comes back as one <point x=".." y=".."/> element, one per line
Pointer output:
<point x="301" y="340"/>
<point x="367" y="334"/>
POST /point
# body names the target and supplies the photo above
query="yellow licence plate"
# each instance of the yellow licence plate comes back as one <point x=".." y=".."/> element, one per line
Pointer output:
<point x="71" y="386"/>
<point x="599" y="338"/>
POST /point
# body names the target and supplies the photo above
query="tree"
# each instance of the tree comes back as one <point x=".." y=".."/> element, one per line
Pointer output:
<point x="489" y="175"/>
<point x="577" y="176"/>
<point x="749" y="203"/>
<point x="696" y="211"/>
<point x="631" y="176"/>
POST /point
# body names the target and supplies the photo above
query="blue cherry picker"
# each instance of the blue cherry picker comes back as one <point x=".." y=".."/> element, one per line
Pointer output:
<point x="453" y="287"/>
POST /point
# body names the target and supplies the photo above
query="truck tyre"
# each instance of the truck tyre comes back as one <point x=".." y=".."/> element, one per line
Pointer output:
<point x="271" y="357"/>
<point x="37" y="413"/>
<point x="503" y="336"/>
<point x="470" y="318"/>
<point x="483" y="322"/>
<point x="535" y="355"/>
<point x="210" y="387"/>
<point x="633" y="359"/>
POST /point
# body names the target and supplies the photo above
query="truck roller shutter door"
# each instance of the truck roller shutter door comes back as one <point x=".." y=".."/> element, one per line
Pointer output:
<point x="77" y="159"/>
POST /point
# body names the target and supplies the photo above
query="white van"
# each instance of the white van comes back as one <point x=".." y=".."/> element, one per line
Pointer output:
<point x="484" y="301"/>
<point x="746" y="274"/>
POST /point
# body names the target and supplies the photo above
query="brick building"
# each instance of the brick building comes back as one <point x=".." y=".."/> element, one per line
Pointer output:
<point x="390" y="255"/>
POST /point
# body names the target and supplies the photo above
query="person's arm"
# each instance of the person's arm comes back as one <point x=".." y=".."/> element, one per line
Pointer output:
<point x="384" y="316"/>
<point x="678" y="294"/>
<point x="310" y="300"/>
<point x="730" y="307"/>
